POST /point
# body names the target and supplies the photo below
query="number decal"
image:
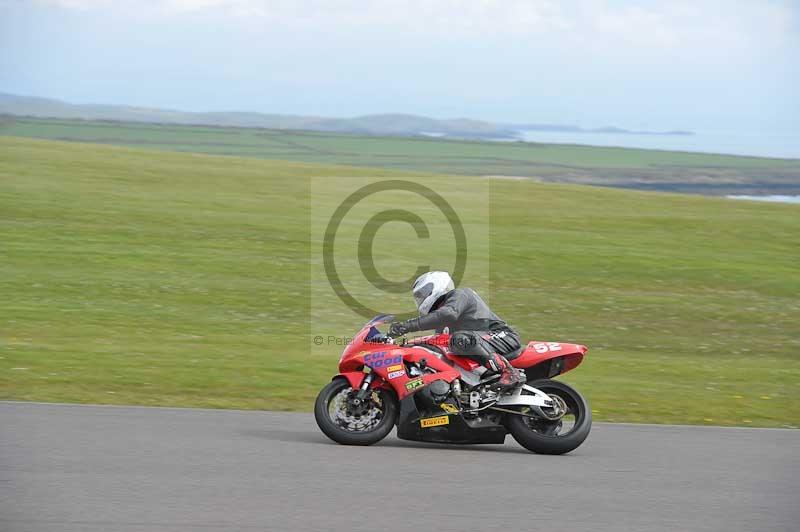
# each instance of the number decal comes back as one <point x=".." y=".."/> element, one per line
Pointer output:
<point x="549" y="346"/>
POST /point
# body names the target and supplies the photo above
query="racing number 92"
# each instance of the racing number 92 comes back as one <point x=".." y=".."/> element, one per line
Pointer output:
<point x="545" y="347"/>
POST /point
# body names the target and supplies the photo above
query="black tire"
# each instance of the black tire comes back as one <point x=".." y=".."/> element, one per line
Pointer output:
<point x="533" y="434"/>
<point x="382" y="400"/>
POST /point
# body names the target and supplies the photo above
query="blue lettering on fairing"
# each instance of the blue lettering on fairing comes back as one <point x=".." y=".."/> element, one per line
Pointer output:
<point x="381" y="359"/>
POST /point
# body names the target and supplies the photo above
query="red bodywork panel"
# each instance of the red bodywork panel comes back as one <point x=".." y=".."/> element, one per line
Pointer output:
<point x="388" y="361"/>
<point x="384" y="360"/>
<point x="534" y="353"/>
<point x="538" y="352"/>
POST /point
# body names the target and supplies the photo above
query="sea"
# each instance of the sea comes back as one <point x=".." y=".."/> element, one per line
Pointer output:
<point x="779" y="144"/>
<point x="777" y="198"/>
<point x="782" y="145"/>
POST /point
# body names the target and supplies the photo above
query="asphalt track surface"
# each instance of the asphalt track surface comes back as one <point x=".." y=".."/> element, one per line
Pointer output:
<point x="95" y="468"/>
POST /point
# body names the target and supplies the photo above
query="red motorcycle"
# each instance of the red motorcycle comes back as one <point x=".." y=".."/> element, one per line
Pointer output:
<point x="433" y="395"/>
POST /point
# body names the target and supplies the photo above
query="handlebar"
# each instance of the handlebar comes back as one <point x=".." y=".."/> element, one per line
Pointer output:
<point x="381" y="339"/>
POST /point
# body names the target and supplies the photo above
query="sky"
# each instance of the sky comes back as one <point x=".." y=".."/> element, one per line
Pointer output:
<point x="699" y="64"/>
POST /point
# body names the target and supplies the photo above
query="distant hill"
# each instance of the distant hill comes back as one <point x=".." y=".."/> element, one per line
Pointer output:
<point x="380" y="124"/>
<point x="383" y="124"/>
<point x="577" y="129"/>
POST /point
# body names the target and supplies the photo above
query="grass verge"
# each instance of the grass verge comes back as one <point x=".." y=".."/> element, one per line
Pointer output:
<point x="143" y="277"/>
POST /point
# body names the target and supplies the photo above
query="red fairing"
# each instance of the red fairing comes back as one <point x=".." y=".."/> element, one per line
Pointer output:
<point x="537" y="352"/>
<point x="534" y="353"/>
<point x="442" y="341"/>
<point x="387" y="361"/>
<point x="353" y="377"/>
<point x="466" y="363"/>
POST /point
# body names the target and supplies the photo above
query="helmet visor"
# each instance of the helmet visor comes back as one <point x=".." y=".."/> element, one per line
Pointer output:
<point x="422" y="292"/>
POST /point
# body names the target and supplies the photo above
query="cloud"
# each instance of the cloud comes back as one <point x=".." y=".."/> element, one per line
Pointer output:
<point x="76" y="4"/>
<point x="572" y="60"/>
<point x="694" y="29"/>
<point x="475" y="17"/>
<point x="639" y="23"/>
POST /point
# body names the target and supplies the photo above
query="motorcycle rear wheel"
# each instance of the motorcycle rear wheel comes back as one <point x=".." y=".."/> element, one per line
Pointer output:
<point x="551" y="437"/>
<point x="339" y="423"/>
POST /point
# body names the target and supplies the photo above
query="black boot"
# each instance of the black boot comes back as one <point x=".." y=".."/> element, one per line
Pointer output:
<point x="509" y="375"/>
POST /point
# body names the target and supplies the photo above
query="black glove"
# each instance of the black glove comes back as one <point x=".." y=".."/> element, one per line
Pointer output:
<point x="379" y="339"/>
<point x="398" y="328"/>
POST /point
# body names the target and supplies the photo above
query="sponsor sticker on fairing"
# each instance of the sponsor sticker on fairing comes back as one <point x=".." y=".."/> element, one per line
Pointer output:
<point x="398" y="367"/>
<point x="434" y="422"/>
<point x="381" y="359"/>
<point x="450" y="409"/>
<point x="414" y="384"/>
<point x="396" y="374"/>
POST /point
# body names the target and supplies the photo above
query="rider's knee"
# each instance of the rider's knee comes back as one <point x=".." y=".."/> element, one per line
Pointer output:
<point x="463" y="342"/>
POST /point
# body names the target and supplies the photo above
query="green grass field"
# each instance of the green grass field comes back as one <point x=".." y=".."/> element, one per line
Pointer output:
<point x="133" y="276"/>
<point x="632" y="168"/>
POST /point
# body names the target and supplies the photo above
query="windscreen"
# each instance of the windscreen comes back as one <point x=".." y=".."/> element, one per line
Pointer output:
<point x="381" y="318"/>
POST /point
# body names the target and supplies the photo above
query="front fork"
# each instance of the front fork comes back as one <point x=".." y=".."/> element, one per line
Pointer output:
<point x="363" y="390"/>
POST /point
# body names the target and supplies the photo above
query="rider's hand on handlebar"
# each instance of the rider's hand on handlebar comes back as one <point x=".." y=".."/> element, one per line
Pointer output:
<point x="380" y="339"/>
<point x="397" y="328"/>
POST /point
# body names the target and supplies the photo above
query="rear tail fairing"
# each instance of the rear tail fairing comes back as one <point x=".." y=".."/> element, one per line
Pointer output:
<point x="548" y="359"/>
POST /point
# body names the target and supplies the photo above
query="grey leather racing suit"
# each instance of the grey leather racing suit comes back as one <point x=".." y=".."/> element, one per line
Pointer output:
<point x="475" y="331"/>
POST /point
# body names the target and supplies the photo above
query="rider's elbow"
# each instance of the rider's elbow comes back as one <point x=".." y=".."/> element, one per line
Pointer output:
<point x="447" y="315"/>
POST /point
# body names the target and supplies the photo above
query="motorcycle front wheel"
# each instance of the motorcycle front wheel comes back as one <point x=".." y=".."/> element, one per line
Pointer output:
<point x="570" y="423"/>
<point x="348" y="423"/>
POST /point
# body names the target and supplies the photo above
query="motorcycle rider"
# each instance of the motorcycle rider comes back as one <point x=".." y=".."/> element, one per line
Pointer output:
<point x="475" y="331"/>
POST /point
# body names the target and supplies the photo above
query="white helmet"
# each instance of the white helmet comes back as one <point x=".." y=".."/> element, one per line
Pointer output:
<point x="429" y="287"/>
